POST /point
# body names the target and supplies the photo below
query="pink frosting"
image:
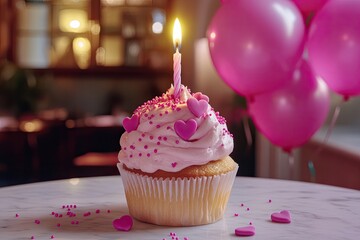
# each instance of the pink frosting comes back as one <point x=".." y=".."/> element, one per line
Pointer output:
<point x="165" y="137"/>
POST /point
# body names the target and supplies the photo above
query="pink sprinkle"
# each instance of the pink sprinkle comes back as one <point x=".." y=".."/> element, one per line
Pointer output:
<point x="74" y="205"/>
<point x="242" y="205"/>
<point x="108" y="211"/>
<point x="155" y="150"/>
<point x="97" y="211"/>
<point x="178" y="109"/>
<point x="158" y="143"/>
<point x="151" y="122"/>
<point x="159" y="137"/>
<point x="72" y="222"/>
<point x="148" y="154"/>
<point x="143" y="135"/>
<point x="139" y="139"/>
<point x="185" y="238"/>
<point x="165" y="138"/>
<point x="71" y="206"/>
<point x="247" y="209"/>
<point x="76" y="222"/>
<point x="151" y="137"/>
<point x="250" y="223"/>
<point x="32" y="237"/>
<point x="60" y="215"/>
<point x="177" y="141"/>
<point x="140" y="154"/>
<point x="131" y="155"/>
<point x="17" y="215"/>
<point x="56" y="214"/>
<point x="174" y="164"/>
<point x="52" y="236"/>
<point x="158" y="126"/>
<point x="269" y="200"/>
<point x="37" y="221"/>
<point x="58" y="225"/>
<point x="236" y="214"/>
<point x="52" y="213"/>
<point x="146" y="146"/>
<point x="63" y="206"/>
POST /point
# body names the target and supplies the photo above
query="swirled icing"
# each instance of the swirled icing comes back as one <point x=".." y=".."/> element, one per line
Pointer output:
<point x="154" y="144"/>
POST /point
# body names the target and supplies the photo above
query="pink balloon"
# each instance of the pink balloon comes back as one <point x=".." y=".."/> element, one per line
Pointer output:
<point x="334" y="46"/>
<point x="309" y="5"/>
<point x="289" y="116"/>
<point x="255" y="45"/>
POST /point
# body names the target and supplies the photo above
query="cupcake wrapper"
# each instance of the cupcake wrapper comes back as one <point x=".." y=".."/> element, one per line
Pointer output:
<point x="176" y="201"/>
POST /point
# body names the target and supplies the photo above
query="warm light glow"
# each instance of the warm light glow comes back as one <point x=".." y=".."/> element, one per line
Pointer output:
<point x="31" y="126"/>
<point x="74" y="181"/>
<point x="157" y="27"/>
<point x="82" y="47"/>
<point x="212" y="35"/>
<point x="74" y="24"/>
<point x="73" y="20"/>
<point x="177" y="36"/>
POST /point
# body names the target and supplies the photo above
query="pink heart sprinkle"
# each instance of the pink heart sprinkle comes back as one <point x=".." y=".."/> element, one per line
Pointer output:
<point x="174" y="164"/>
<point x="197" y="107"/>
<point x="281" y="217"/>
<point x="245" y="231"/>
<point x="185" y="130"/>
<point x="124" y="223"/>
<point x="200" y="96"/>
<point x="131" y="124"/>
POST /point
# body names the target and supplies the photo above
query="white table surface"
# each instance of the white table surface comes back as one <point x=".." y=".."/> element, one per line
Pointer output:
<point x="318" y="211"/>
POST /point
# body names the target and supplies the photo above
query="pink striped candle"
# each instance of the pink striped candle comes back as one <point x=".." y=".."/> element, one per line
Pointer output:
<point x="177" y="58"/>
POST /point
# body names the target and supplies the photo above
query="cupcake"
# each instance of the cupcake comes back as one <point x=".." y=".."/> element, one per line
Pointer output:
<point x="174" y="161"/>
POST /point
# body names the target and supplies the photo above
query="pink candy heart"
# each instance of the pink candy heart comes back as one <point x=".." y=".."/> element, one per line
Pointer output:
<point x="281" y="217"/>
<point x="197" y="107"/>
<point x="245" y="231"/>
<point x="200" y="96"/>
<point x="124" y="223"/>
<point x="185" y="130"/>
<point x="131" y="124"/>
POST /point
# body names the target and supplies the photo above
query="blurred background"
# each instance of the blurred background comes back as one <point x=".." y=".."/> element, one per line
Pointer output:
<point x="71" y="70"/>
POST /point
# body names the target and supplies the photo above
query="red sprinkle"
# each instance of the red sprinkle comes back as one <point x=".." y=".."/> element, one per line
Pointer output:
<point x="58" y="225"/>
<point x="17" y="215"/>
<point x="97" y="211"/>
<point x="236" y="214"/>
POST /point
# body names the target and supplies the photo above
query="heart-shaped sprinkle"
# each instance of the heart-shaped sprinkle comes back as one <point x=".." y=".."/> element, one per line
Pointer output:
<point x="185" y="130"/>
<point x="174" y="164"/>
<point x="200" y="96"/>
<point x="197" y="107"/>
<point x="245" y="231"/>
<point x="131" y="124"/>
<point x="124" y="223"/>
<point x="281" y="217"/>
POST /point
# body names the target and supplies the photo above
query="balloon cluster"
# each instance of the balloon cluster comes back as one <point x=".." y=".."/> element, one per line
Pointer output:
<point x="264" y="51"/>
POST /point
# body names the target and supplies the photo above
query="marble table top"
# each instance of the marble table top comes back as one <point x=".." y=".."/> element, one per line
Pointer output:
<point x="317" y="211"/>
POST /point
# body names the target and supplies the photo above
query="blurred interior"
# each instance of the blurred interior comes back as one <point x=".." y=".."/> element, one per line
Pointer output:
<point x="71" y="70"/>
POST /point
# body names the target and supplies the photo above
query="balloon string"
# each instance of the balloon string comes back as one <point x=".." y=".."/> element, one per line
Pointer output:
<point x="291" y="160"/>
<point x="330" y="129"/>
<point x="247" y="131"/>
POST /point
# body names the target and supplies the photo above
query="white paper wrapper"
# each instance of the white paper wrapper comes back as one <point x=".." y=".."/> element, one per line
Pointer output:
<point x="176" y="201"/>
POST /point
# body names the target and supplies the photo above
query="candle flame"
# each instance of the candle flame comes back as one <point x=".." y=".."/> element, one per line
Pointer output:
<point x="177" y="34"/>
